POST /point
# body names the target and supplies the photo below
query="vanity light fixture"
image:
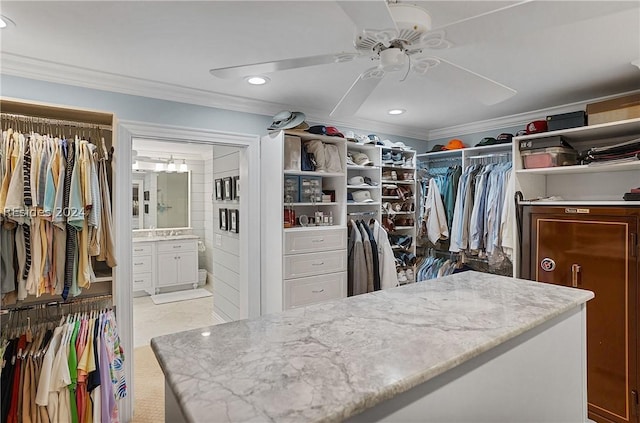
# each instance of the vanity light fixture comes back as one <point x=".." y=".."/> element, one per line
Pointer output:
<point x="159" y="167"/>
<point x="171" y="166"/>
<point x="183" y="166"/>
<point x="257" y="80"/>
<point x="396" y="111"/>
<point x="135" y="165"/>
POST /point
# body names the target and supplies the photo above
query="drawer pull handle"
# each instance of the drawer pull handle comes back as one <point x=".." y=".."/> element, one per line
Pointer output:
<point x="177" y="246"/>
<point x="315" y="291"/>
<point x="318" y="264"/>
<point x="139" y="280"/>
<point x="575" y="270"/>
<point x="138" y="249"/>
<point x="138" y="264"/>
<point x="318" y="240"/>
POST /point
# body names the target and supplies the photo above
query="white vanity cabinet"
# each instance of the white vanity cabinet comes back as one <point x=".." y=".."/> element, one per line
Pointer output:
<point x="165" y="262"/>
<point x="177" y="263"/>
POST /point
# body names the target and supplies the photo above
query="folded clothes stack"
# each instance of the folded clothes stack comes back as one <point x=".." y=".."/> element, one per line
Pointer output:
<point x="624" y="151"/>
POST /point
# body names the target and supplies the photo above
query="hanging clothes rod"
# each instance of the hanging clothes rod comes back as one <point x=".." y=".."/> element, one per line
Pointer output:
<point x="487" y="156"/>
<point x="442" y="159"/>
<point x="53" y="122"/>
<point x="69" y="303"/>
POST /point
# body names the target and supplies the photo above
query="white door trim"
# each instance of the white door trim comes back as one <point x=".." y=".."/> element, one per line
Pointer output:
<point x="249" y="222"/>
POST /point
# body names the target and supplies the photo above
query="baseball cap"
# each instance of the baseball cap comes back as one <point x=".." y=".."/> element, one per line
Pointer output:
<point x="361" y="180"/>
<point x="487" y="141"/>
<point x="332" y="131"/>
<point x="362" y="159"/>
<point x="536" y="126"/>
<point x="454" y="144"/>
<point x="437" y="147"/>
<point x="362" y="196"/>
<point x="504" y="138"/>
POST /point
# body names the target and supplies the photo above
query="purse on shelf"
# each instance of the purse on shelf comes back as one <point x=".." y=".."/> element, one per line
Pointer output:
<point x="308" y="160"/>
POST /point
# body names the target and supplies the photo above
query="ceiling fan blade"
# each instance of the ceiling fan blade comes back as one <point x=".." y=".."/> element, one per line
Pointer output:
<point x="369" y="14"/>
<point x="278" y="65"/>
<point x="479" y="87"/>
<point x="358" y="92"/>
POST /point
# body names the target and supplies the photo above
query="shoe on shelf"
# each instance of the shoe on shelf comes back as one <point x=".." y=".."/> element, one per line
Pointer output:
<point x="386" y="157"/>
<point x="409" y="274"/>
<point x="402" y="276"/>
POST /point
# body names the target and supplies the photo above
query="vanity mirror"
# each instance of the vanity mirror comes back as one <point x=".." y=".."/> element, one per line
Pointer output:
<point x="162" y="200"/>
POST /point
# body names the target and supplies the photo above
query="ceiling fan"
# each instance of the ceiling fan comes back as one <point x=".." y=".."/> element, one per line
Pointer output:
<point x="406" y="33"/>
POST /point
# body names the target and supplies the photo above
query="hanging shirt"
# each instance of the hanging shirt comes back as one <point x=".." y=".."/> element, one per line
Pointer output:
<point x="435" y="214"/>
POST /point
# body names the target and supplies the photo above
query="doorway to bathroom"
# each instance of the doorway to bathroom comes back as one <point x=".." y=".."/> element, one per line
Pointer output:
<point x="194" y="199"/>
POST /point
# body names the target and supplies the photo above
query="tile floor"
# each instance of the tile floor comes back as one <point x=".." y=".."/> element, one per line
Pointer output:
<point x="150" y="320"/>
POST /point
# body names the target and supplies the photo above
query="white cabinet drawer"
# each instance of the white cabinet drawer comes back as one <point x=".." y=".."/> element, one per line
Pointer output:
<point x="305" y="291"/>
<point x="141" y="249"/>
<point x="174" y="246"/>
<point x="142" y="265"/>
<point x="299" y="265"/>
<point x="142" y="281"/>
<point x="315" y="240"/>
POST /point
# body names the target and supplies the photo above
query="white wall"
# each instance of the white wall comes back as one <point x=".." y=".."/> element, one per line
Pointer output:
<point x="226" y="245"/>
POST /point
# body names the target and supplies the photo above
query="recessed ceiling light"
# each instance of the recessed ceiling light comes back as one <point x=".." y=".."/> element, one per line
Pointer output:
<point x="257" y="80"/>
<point x="4" y="22"/>
<point x="396" y="111"/>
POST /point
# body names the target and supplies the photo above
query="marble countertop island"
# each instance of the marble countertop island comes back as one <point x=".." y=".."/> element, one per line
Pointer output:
<point x="330" y="361"/>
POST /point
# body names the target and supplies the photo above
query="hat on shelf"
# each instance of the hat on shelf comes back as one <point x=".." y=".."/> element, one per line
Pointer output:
<point x="487" y="141"/>
<point x="454" y="144"/>
<point x="504" y="138"/>
<point x="350" y="159"/>
<point x="437" y="147"/>
<point x="362" y="196"/>
<point x="331" y="131"/>
<point x="361" y="159"/>
<point x="361" y="181"/>
<point x="351" y="136"/>
<point x="536" y="126"/>
<point x="289" y="120"/>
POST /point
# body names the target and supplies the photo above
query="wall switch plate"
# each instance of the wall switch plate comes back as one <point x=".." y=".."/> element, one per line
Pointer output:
<point x="219" y="240"/>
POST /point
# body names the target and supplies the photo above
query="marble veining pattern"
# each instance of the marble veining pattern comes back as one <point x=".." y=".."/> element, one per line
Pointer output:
<point x="329" y="361"/>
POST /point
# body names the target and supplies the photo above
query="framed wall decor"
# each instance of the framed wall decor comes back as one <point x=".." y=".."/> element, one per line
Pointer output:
<point x="223" y="219"/>
<point x="234" y="219"/>
<point x="228" y="188"/>
<point x="236" y="191"/>
<point x="219" y="193"/>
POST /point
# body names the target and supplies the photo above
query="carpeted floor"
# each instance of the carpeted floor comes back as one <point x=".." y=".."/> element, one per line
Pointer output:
<point x="149" y="387"/>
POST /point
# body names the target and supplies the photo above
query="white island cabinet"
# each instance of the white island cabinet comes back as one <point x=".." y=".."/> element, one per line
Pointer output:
<point x="470" y="347"/>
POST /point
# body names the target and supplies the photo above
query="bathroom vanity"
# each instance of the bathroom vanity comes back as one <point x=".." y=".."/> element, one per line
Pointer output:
<point x="164" y="262"/>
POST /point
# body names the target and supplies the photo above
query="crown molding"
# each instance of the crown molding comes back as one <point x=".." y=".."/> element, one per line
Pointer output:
<point x="521" y="119"/>
<point x="60" y="73"/>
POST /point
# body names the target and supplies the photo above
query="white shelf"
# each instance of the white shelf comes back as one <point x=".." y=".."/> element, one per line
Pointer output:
<point x="563" y="170"/>
<point x="103" y="279"/>
<point x="312" y="228"/>
<point x="401" y="182"/>
<point x="307" y="173"/>
<point x="400" y="213"/>
<point x="361" y="187"/>
<point x="581" y="203"/>
<point x="319" y="203"/>
<point x="592" y="132"/>
<point x="357" y="167"/>
<point x="390" y="166"/>
<point x="403" y="228"/>
<point x="390" y="197"/>
<point x="377" y="203"/>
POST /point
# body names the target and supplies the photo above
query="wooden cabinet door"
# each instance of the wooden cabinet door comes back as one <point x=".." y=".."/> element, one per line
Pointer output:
<point x="595" y="253"/>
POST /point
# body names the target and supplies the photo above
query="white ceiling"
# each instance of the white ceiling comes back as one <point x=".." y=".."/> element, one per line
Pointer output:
<point x="551" y="53"/>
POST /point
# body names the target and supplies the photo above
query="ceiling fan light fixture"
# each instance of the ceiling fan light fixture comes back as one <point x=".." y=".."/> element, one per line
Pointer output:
<point x="257" y="80"/>
<point x="392" y="59"/>
<point x="396" y="111"/>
